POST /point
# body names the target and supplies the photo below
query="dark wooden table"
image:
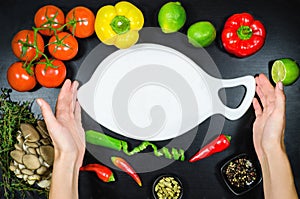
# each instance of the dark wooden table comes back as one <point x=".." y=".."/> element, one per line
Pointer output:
<point x="201" y="179"/>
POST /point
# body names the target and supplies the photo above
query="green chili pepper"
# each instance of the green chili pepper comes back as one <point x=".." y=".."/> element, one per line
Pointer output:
<point x="97" y="138"/>
<point x="100" y="139"/>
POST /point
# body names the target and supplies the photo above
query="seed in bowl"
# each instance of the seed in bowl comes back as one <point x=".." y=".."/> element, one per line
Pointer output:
<point x="241" y="172"/>
<point x="168" y="188"/>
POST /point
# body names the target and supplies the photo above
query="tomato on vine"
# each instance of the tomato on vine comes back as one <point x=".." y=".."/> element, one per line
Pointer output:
<point x="24" y="45"/>
<point x="49" y="18"/>
<point x="63" y="46"/>
<point x="21" y="78"/>
<point x="80" y="21"/>
<point x="50" y="73"/>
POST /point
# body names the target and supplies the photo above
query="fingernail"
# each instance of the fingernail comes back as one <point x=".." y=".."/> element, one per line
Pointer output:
<point x="280" y="85"/>
<point x="39" y="102"/>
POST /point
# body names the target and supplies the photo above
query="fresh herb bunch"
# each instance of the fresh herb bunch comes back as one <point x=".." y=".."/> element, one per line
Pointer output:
<point x="12" y="114"/>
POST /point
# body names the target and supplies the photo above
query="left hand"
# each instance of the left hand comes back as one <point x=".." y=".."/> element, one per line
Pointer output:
<point x="66" y="128"/>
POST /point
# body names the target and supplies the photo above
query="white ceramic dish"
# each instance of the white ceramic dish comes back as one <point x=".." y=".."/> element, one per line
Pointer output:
<point x="136" y="92"/>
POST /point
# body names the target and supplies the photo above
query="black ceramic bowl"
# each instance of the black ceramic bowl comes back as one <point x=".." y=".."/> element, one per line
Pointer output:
<point x="241" y="174"/>
<point x="167" y="184"/>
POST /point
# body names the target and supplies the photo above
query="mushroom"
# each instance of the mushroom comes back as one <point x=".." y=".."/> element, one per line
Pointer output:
<point x="18" y="147"/>
<point x="31" y="144"/>
<point x="31" y="161"/>
<point x="42" y="170"/>
<point x="27" y="172"/>
<point x="44" y="183"/>
<point x="47" y="153"/>
<point x="45" y="141"/>
<point x="42" y="128"/>
<point x="31" y="150"/>
<point x="17" y="155"/>
<point x="33" y="155"/>
<point x="29" y="132"/>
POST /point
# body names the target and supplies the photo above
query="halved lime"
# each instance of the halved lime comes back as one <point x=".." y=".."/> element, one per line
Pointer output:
<point x="171" y="17"/>
<point x="285" y="70"/>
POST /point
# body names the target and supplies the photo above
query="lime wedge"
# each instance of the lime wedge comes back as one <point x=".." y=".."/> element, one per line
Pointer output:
<point x="285" y="70"/>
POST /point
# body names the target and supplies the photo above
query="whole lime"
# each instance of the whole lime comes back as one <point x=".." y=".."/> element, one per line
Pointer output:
<point x="171" y="17"/>
<point x="201" y="34"/>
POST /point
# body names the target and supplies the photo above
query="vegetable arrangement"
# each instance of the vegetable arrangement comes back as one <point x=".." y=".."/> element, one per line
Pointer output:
<point x="242" y="35"/>
<point x="117" y="25"/>
<point x="100" y="139"/>
<point x="12" y="114"/>
<point x="29" y="47"/>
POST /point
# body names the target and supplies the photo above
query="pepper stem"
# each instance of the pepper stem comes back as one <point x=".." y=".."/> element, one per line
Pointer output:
<point x="244" y="32"/>
<point x="228" y="137"/>
<point x="120" y="24"/>
<point x="111" y="178"/>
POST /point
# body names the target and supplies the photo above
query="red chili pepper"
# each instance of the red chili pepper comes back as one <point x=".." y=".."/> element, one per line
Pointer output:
<point x="103" y="172"/>
<point x="243" y="35"/>
<point x="219" y="144"/>
<point x="124" y="166"/>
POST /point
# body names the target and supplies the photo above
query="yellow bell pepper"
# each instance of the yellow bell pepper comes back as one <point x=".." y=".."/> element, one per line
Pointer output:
<point x="119" y="25"/>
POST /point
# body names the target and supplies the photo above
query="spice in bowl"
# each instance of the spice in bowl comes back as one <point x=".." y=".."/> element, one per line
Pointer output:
<point x="167" y="187"/>
<point x="241" y="174"/>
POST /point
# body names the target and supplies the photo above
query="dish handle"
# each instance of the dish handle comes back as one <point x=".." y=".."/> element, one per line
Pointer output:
<point x="235" y="113"/>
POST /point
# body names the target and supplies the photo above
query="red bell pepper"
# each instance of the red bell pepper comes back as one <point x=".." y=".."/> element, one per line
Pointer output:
<point x="103" y="172"/>
<point x="219" y="144"/>
<point x="243" y="35"/>
<point x="124" y="166"/>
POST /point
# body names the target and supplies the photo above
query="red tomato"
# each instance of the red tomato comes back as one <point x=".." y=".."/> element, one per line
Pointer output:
<point x="19" y="79"/>
<point x="23" y="45"/>
<point x="50" y="74"/>
<point x="81" y="21"/>
<point x="63" y="47"/>
<point x="48" y="17"/>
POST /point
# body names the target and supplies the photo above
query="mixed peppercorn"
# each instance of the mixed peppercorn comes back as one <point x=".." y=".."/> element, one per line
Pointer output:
<point x="241" y="172"/>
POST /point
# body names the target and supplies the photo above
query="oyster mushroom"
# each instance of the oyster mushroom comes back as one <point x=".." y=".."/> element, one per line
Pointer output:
<point x="42" y="170"/>
<point x="47" y="153"/>
<point x="42" y="128"/>
<point x="44" y="183"/>
<point x="34" y="177"/>
<point x="18" y="147"/>
<point x="20" y="139"/>
<point x="31" y="144"/>
<point x="31" y="161"/>
<point x="45" y="141"/>
<point x="29" y="132"/>
<point x="12" y="167"/>
<point x="31" y="150"/>
<point x="33" y="155"/>
<point x="17" y="155"/>
<point x="27" y="172"/>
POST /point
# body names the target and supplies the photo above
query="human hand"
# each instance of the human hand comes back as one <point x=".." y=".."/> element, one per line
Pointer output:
<point x="268" y="128"/>
<point x="66" y="129"/>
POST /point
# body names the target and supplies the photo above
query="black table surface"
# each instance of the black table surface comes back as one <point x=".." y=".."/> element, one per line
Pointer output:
<point x="202" y="179"/>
